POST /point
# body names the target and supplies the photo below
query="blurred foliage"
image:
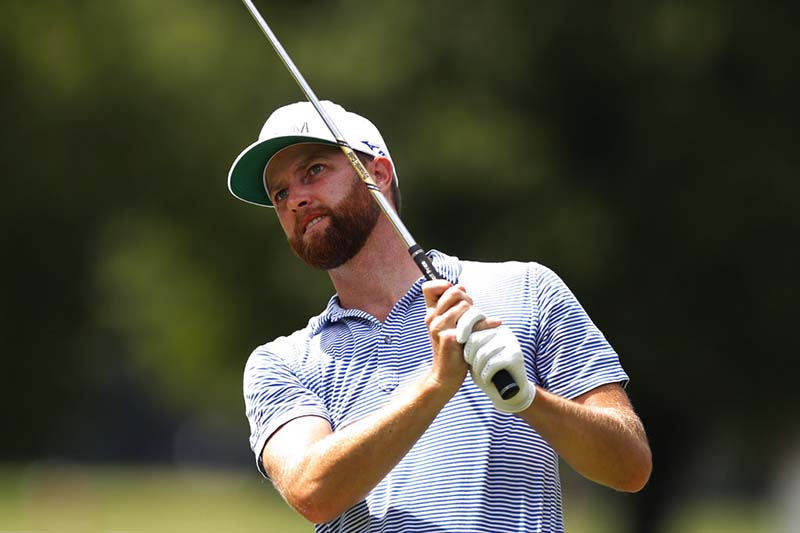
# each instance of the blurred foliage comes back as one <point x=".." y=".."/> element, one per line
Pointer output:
<point x="644" y="150"/>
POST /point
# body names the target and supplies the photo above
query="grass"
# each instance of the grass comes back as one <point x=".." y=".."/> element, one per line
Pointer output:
<point x="723" y="517"/>
<point x="129" y="499"/>
<point x="63" y="498"/>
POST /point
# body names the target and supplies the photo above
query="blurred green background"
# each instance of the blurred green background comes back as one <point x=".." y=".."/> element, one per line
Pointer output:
<point x="646" y="151"/>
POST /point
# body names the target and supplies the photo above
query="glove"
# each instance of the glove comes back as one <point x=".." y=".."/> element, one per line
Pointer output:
<point x="466" y="322"/>
<point x="490" y="350"/>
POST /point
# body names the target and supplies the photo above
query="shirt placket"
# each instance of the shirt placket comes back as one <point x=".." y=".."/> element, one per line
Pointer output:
<point x="388" y="375"/>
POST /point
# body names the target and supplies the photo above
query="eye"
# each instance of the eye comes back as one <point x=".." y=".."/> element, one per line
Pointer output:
<point x="281" y="195"/>
<point x="316" y="169"/>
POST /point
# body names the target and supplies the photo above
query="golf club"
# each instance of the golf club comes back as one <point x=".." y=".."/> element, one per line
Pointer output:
<point x="505" y="384"/>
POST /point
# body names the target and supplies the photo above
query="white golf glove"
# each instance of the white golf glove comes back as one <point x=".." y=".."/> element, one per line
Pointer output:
<point x="490" y="350"/>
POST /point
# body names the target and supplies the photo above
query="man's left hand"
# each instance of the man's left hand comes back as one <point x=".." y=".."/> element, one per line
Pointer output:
<point x="490" y="350"/>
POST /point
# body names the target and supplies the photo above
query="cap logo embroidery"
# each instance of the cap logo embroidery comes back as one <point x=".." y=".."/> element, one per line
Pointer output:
<point x="374" y="148"/>
<point x="298" y="128"/>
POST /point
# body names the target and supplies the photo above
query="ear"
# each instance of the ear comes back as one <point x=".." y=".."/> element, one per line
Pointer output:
<point x="383" y="174"/>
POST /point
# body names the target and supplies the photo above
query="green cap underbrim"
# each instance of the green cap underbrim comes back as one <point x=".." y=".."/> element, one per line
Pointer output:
<point x="246" y="179"/>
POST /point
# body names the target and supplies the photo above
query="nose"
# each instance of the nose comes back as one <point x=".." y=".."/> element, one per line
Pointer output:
<point x="299" y="197"/>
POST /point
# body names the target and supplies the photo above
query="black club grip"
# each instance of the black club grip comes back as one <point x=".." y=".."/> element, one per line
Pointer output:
<point x="505" y="384"/>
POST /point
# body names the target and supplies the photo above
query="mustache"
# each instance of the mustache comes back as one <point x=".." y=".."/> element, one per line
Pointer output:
<point x="350" y="223"/>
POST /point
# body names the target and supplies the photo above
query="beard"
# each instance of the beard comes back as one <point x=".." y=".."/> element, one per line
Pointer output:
<point x="349" y="225"/>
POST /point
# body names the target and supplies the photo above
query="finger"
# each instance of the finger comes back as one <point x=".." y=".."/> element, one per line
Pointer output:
<point x="488" y="360"/>
<point x="451" y="298"/>
<point x="487" y="323"/>
<point x="466" y="323"/>
<point x="446" y="320"/>
<point x="475" y="342"/>
<point x="433" y="290"/>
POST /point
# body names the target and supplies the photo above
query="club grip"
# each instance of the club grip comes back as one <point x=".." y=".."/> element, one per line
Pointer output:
<point x="505" y="384"/>
<point x="424" y="262"/>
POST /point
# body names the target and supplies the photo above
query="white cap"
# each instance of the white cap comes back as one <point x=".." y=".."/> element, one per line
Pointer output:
<point x="293" y="124"/>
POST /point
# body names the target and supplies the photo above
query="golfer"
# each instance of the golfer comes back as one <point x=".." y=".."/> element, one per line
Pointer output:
<point x="380" y="414"/>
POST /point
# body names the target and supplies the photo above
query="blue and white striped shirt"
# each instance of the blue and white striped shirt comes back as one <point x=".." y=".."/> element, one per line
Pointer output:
<point x="475" y="469"/>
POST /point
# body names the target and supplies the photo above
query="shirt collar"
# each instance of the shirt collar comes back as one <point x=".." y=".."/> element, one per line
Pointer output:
<point x="448" y="266"/>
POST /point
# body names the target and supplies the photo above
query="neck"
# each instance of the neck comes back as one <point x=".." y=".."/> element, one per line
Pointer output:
<point x="378" y="276"/>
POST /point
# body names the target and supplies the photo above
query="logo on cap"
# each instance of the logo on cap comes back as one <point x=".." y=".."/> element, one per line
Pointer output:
<point x="301" y="128"/>
<point x="374" y="148"/>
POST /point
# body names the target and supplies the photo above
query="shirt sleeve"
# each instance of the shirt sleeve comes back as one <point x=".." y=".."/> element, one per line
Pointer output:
<point x="274" y="395"/>
<point x="572" y="355"/>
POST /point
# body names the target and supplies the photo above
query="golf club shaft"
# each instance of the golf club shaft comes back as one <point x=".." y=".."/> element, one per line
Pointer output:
<point x="505" y="384"/>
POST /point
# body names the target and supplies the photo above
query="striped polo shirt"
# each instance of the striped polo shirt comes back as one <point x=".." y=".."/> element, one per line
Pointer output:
<point x="475" y="469"/>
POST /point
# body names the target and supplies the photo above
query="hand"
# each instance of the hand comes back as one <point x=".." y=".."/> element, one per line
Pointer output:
<point x="446" y="303"/>
<point x="490" y="350"/>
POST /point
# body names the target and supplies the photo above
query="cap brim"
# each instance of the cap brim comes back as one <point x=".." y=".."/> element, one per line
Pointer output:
<point x="246" y="177"/>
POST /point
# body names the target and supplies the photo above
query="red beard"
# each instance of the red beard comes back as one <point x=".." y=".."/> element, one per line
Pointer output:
<point x="349" y="225"/>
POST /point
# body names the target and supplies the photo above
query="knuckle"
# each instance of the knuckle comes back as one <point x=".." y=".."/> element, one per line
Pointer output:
<point x="448" y="337"/>
<point x="435" y="286"/>
<point x="429" y="315"/>
<point x="435" y="324"/>
<point x="464" y="306"/>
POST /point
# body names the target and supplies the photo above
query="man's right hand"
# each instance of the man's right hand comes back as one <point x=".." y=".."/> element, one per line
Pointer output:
<point x="446" y="303"/>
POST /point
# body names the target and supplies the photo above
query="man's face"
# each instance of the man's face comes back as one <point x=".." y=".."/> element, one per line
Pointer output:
<point x="325" y="210"/>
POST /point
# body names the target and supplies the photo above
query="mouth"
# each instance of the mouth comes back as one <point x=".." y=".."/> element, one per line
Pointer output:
<point x="312" y="222"/>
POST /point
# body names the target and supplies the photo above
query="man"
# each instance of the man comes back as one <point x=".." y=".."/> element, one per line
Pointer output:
<point x="364" y="420"/>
